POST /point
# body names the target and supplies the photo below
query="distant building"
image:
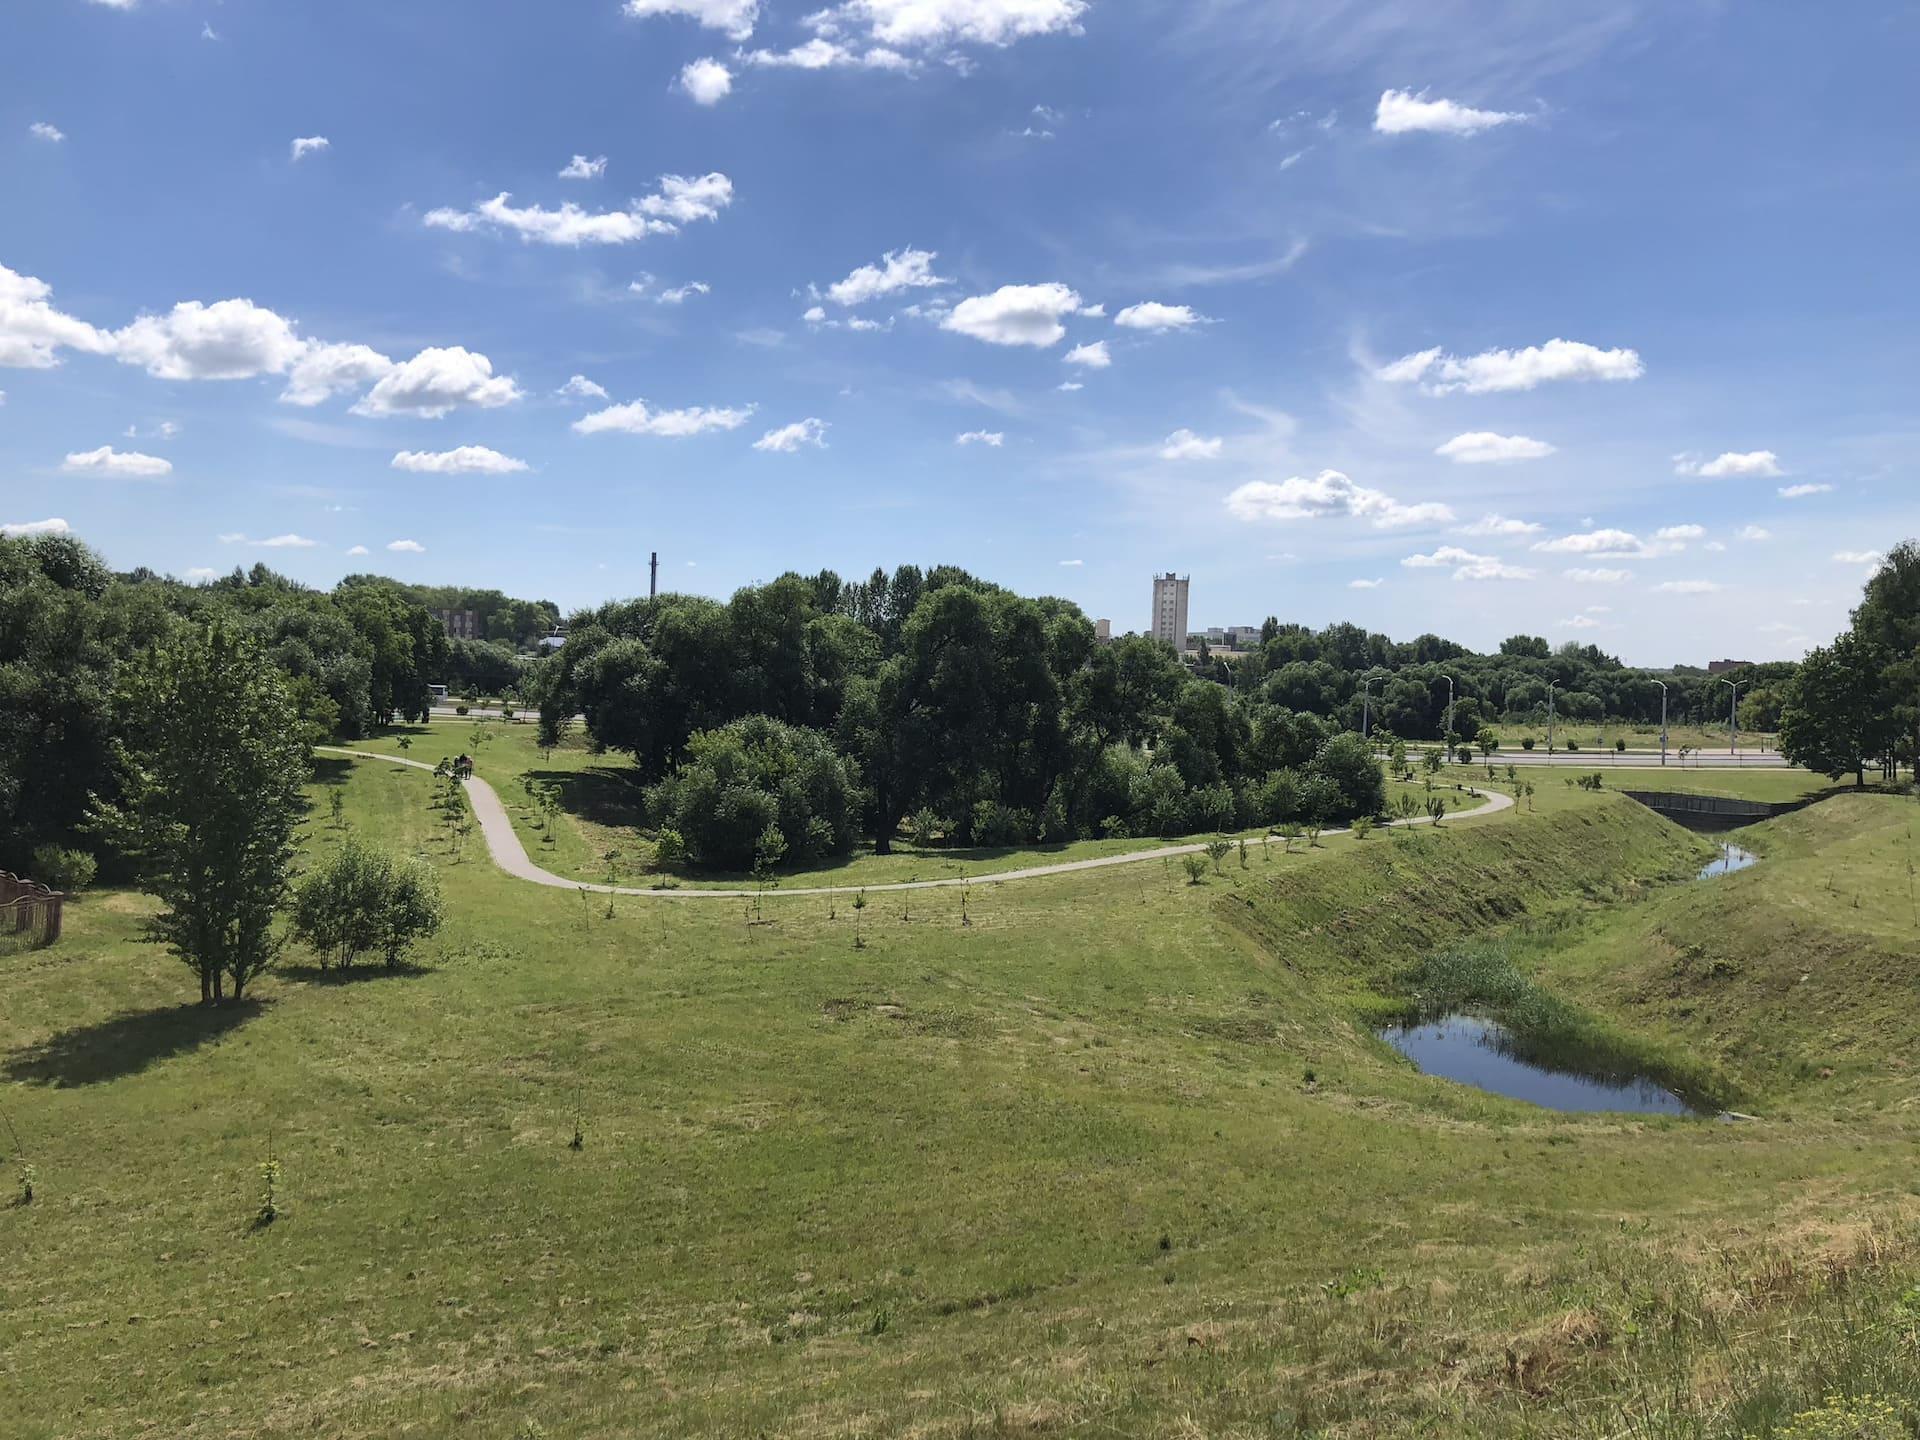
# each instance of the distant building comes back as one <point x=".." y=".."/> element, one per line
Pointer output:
<point x="1720" y="667"/>
<point x="1170" y="610"/>
<point x="459" y="624"/>
<point x="1103" y="631"/>
<point x="551" y="643"/>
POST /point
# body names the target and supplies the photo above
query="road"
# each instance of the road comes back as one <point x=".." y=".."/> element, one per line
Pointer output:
<point x="1643" y="759"/>
<point x="506" y="851"/>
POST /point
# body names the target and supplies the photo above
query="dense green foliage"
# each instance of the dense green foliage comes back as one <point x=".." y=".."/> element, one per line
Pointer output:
<point x="212" y="769"/>
<point x="70" y="630"/>
<point x="1856" y="702"/>
<point x="753" y="774"/>
<point x="360" y="900"/>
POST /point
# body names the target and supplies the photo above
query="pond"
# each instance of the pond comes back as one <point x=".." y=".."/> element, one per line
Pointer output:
<point x="1732" y="858"/>
<point x="1480" y="1053"/>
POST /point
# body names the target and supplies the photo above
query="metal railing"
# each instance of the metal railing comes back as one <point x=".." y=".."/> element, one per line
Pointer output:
<point x="31" y="909"/>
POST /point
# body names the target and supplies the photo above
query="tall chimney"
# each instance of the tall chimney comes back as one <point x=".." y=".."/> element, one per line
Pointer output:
<point x="653" y="575"/>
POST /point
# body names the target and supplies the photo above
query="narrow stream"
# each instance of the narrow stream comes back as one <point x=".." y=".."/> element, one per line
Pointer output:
<point x="1480" y="1052"/>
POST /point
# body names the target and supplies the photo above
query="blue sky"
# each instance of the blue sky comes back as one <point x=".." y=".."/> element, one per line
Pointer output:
<point x="1592" y="321"/>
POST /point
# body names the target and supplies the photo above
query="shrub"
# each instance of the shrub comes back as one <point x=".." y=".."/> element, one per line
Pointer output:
<point x="1620" y="746"/>
<point x="460" y="709"/>
<point x="1196" y="868"/>
<point x="1217" y="850"/>
<point x="1573" y="745"/>
<point x="1362" y="826"/>
<point x="359" y="901"/>
<point x="1114" y="828"/>
<point x="755" y="772"/>
<point x="1527" y="744"/>
<point x="59" y="868"/>
<point x="669" y="850"/>
<point x="1000" y="825"/>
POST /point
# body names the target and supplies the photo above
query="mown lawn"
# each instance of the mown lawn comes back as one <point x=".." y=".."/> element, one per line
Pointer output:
<point x="1113" y="1157"/>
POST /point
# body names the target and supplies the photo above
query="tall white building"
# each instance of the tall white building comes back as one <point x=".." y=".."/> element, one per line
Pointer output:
<point x="1170" y="610"/>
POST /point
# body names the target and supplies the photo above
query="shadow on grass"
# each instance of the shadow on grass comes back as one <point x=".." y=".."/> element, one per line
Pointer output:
<point x="351" y="974"/>
<point x="124" y="1045"/>
<point x="602" y="796"/>
<point x="331" y="769"/>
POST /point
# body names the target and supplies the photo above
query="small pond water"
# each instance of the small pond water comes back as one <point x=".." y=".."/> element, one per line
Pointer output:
<point x="1732" y="858"/>
<point x="1479" y="1052"/>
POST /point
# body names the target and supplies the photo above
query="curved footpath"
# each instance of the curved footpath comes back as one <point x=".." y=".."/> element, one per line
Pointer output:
<point x="503" y="845"/>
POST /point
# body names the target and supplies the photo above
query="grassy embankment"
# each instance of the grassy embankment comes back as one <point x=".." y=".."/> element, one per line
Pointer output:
<point x="1060" y="1170"/>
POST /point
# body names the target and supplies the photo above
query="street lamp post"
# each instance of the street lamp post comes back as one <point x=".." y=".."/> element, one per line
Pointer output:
<point x="1446" y="735"/>
<point x="1733" y="716"/>
<point x="1366" y="705"/>
<point x="1551" y="685"/>
<point x="1663" y="720"/>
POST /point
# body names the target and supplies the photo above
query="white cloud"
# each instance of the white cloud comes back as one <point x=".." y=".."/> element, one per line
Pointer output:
<point x="131" y="465"/>
<point x="1402" y="112"/>
<point x="637" y="419"/>
<point x="1070" y="386"/>
<point x="227" y="340"/>
<point x="462" y="460"/>
<point x="1151" y="315"/>
<point x="933" y="23"/>
<point x="581" y="168"/>
<point x="1500" y="525"/>
<point x="1497" y="370"/>
<point x="33" y="332"/>
<point x="1466" y="565"/>
<point x="789" y="438"/>
<point x="676" y="294"/>
<point x="907" y="269"/>
<point x="1365" y="584"/>
<point x="1621" y="544"/>
<point x="1484" y="447"/>
<point x="706" y="81"/>
<point x="1869" y="558"/>
<point x="1598" y="577"/>
<point x="407" y="547"/>
<point x="1073" y="564"/>
<point x="992" y="438"/>
<point x="41" y="130"/>
<point x="1753" y="532"/>
<point x="735" y="17"/>
<point x="581" y="388"/>
<point x="437" y="381"/>
<point x="1329" y="493"/>
<point x="1801" y="492"/>
<point x="1687" y="587"/>
<point x="680" y="200"/>
<point x="324" y="370"/>
<point x="18" y="529"/>
<point x="1183" y="444"/>
<point x="1094" y="356"/>
<point x="1762" y="463"/>
<point x="276" y="542"/>
<point x="358" y="550"/>
<point x="1580" y="622"/>
<point x="306" y="145"/>
<point x="1015" y="315"/>
<point x="823" y="54"/>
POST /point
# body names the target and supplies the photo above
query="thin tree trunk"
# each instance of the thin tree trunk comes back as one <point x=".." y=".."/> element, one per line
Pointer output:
<point x="206" y="988"/>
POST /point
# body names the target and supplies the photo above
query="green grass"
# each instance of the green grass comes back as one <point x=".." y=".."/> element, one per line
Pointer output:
<point x="1059" y="1170"/>
<point x="1738" y="784"/>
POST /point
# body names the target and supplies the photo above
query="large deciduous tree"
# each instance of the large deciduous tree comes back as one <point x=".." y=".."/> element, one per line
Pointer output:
<point x="214" y="761"/>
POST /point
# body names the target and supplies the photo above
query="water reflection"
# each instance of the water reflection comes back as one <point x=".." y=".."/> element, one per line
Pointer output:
<point x="1732" y="858"/>
<point x="1479" y="1052"/>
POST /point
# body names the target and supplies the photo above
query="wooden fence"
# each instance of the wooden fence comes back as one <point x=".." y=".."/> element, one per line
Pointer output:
<point x="29" y="908"/>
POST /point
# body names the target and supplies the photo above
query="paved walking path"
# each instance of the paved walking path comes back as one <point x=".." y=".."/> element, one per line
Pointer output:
<point x="503" y="845"/>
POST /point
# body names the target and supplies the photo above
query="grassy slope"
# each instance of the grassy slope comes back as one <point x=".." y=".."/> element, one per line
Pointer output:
<point x="1808" y="963"/>
<point x="1054" y="1170"/>
<point x="1755" y="784"/>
